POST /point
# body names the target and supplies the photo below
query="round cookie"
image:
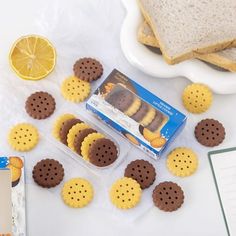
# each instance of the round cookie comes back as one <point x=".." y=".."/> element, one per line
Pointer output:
<point x="139" y="115"/>
<point x="103" y="152"/>
<point x="15" y="172"/>
<point x="77" y="193"/>
<point x="16" y="162"/>
<point x="168" y="196"/>
<point x="80" y="138"/>
<point x="148" y="118"/>
<point x="197" y="98"/>
<point x="74" y="89"/>
<point x="125" y="193"/>
<point x="59" y="123"/>
<point x="182" y="162"/>
<point x="142" y="171"/>
<point x="87" y="143"/>
<point x="88" y="69"/>
<point x="134" y="107"/>
<point x="73" y="133"/>
<point x="65" y="128"/>
<point x="23" y="137"/>
<point x="40" y="105"/>
<point x="209" y="132"/>
<point x="48" y="173"/>
<point x="156" y="122"/>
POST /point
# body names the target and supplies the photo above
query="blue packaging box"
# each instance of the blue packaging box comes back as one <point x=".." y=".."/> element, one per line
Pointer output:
<point x="144" y="119"/>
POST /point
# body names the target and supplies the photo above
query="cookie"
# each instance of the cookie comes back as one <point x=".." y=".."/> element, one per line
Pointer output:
<point x="156" y="122"/>
<point x="87" y="143"/>
<point x="168" y="196"/>
<point x="15" y="172"/>
<point x="120" y="98"/>
<point x="158" y="142"/>
<point x="125" y="193"/>
<point x="88" y="69"/>
<point x="16" y="162"/>
<point x="182" y="162"/>
<point x="148" y="118"/>
<point x="210" y="132"/>
<point x="65" y="128"/>
<point x="80" y="138"/>
<point x="142" y="111"/>
<point x="197" y="98"/>
<point x="134" y="107"/>
<point x="23" y="137"/>
<point x="74" y="89"/>
<point x="73" y="133"/>
<point x="59" y="123"/>
<point x="48" y="173"/>
<point x="142" y="171"/>
<point x="103" y="152"/>
<point x="77" y="193"/>
<point x="131" y="138"/>
<point x="40" y="105"/>
<point x="149" y="135"/>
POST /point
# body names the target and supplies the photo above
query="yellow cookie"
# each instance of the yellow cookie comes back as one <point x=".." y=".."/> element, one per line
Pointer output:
<point x="58" y="124"/>
<point x="15" y="172"/>
<point x="125" y="193"/>
<point x="76" y="129"/>
<point x="158" y="142"/>
<point x="148" y="118"/>
<point x="74" y="89"/>
<point x="88" y="141"/>
<point x="149" y="135"/>
<point x="23" y="137"/>
<point x="132" y="139"/>
<point x="77" y="193"/>
<point x="197" y="98"/>
<point x="16" y="162"/>
<point x="134" y="107"/>
<point x="182" y="162"/>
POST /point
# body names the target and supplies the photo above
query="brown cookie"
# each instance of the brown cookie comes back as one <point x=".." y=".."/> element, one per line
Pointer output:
<point x="209" y="132"/>
<point x="139" y="115"/>
<point x="156" y="123"/>
<point x="80" y="138"/>
<point x="40" y="105"/>
<point x="48" y="173"/>
<point x="120" y="98"/>
<point x="168" y="196"/>
<point x="65" y="128"/>
<point x="103" y="152"/>
<point x="88" y="69"/>
<point x="142" y="171"/>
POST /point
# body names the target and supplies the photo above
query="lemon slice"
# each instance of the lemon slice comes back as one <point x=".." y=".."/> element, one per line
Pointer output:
<point x="32" y="57"/>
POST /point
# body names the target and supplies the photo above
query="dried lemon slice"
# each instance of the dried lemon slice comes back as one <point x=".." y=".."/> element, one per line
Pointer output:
<point x="32" y="57"/>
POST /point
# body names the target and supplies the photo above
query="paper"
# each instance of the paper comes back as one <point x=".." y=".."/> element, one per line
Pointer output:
<point x="223" y="165"/>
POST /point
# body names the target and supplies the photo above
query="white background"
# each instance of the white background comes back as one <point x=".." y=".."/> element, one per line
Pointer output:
<point x="92" y="28"/>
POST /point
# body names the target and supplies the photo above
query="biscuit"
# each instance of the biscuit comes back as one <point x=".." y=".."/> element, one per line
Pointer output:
<point x="142" y="171"/>
<point x="125" y="193"/>
<point x="149" y="135"/>
<point x="148" y="118"/>
<point x="131" y="138"/>
<point x="16" y="162"/>
<point x="134" y="107"/>
<point x="23" y="137"/>
<point x="158" y="142"/>
<point x="156" y="122"/>
<point x="142" y="111"/>
<point x="40" y="105"/>
<point x="77" y="193"/>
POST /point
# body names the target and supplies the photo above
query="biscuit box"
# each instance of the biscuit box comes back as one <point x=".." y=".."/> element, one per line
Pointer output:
<point x="143" y="118"/>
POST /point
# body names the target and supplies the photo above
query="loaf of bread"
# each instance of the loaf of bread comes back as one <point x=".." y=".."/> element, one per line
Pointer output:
<point x="185" y="29"/>
<point x="225" y="59"/>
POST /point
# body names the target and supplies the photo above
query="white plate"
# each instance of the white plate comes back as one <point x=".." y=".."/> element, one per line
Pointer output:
<point x="222" y="82"/>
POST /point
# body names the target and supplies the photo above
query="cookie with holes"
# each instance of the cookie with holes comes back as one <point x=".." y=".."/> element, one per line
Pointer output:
<point x="48" y="173"/>
<point x="88" y="69"/>
<point x="168" y="196"/>
<point x="40" y="105"/>
<point x="103" y="152"/>
<point x="210" y="132"/>
<point x="142" y="171"/>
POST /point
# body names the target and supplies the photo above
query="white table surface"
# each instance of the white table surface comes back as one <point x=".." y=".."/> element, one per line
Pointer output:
<point x="92" y="28"/>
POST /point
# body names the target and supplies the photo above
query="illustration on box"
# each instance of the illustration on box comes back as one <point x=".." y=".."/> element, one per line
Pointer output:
<point x="141" y="117"/>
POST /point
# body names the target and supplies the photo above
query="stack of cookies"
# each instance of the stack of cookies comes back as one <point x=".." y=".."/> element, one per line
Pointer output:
<point x="91" y="145"/>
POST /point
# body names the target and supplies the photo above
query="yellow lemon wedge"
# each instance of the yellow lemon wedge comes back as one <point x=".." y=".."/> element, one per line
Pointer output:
<point x="32" y="57"/>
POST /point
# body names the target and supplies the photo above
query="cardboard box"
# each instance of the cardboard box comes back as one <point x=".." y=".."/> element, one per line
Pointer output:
<point x="140" y="116"/>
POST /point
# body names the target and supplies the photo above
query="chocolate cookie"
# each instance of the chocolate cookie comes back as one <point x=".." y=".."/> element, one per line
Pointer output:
<point x="48" y="173"/>
<point x="80" y="138"/>
<point x="142" y="171"/>
<point x="168" y="196"/>
<point x="88" y="69"/>
<point x="120" y="98"/>
<point x="139" y="115"/>
<point x="209" y="132"/>
<point x="156" y="123"/>
<point x="103" y="152"/>
<point x="65" y="128"/>
<point x="40" y="105"/>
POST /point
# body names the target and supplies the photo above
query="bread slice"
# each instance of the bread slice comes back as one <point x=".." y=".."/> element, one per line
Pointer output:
<point x="225" y="59"/>
<point x="187" y="28"/>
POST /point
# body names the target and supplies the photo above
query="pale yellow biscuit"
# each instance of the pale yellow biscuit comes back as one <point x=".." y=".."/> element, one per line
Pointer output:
<point x="134" y="107"/>
<point x="148" y="118"/>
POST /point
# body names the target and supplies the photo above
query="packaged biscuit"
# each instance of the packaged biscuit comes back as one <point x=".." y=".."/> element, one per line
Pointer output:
<point x="140" y="116"/>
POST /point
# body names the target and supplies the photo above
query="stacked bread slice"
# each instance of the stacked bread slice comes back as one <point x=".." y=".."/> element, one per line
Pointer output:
<point x="191" y="29"/>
